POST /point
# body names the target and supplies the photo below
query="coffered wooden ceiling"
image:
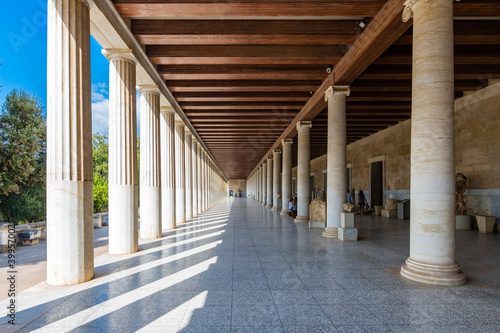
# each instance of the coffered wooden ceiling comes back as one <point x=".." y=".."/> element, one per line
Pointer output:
<point x="245" y="71"/>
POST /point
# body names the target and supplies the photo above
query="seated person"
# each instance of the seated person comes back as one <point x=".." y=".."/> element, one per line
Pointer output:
<point x="350" y="199"/>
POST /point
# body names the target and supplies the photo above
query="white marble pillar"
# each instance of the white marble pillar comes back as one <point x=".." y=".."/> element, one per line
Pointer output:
<point x="194" y="157"/>
<point x="180" y="173"/>
<point x="276" y="177"/>
<point x="269" y="182"/>
<point x="200" y="179"/>
<point x="150" y="226"/>
<point x="167" y="154"/>
<point x="303" y="171"/>
<point x="264" y="183"/>
<point x="122" y="173"/>
<point x="336" y="192"/>
<point x="204" y="180"/>
<point x="70" y="224"/>
<point x="189" y="175"/>
<point x="287" y="175"/>
<point x="432" y="199"/>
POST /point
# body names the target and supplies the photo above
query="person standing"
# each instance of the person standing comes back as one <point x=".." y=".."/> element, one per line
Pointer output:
<point x="362" y="201"/>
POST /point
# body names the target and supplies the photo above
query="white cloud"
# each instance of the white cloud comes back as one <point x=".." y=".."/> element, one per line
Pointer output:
<point x="100" y="109"/>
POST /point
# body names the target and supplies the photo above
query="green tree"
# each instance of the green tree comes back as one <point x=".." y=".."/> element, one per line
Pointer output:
<point x="22" y="157"/>
<point x="100" y="171"/>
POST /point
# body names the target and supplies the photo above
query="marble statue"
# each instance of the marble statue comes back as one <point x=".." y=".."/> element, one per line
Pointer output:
<point x="317" y="210"/>
<point x="460" y="186"/>
<point x="348" y="207"/>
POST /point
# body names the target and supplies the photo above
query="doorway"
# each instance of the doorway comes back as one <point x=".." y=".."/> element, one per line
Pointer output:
<point x="377" y="183"/>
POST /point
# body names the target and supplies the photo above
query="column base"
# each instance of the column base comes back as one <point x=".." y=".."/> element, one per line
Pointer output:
<point x="331" y="232"/>
<point x="285" y="212"/>
<point x="269" y="206"/>
<point x="301" y="219"/>
<point x="274" y="208"/>
<point x="440" y="275"/>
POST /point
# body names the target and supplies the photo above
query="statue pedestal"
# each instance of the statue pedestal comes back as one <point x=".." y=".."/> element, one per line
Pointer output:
<point x="485" y="224"/>
<point x="462" y="222"/>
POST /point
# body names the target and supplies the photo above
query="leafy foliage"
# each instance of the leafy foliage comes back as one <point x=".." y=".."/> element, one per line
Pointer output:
<point x="22" y="157"/>
<point x="100" y="170"/>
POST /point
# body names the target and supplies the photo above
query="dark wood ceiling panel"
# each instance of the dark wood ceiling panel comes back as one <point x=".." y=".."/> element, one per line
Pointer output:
<point x="245" y="72"/>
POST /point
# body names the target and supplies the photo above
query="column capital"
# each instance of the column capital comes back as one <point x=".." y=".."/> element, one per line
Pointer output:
<point x="304" y="123"/>
<point x="277" y="151"/>
<point x="167" y="109"/>
<point x="409" y="7"/>
<point x="126" y="54"/>
<point x="148" y="88"/>
<point x="179" y="122"/>
<point x="290" y="141"/>
<point x="265" y="162"/>
<point x="270" y="158"/>
<point x="336" y="90"/>
<point x="88" y="3"/>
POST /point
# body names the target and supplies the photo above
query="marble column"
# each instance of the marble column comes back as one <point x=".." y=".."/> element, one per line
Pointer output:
<point x="269" y="181"/>
<point x="286" y="192"/>
<point x="180" y="173"/>
<point x="167" y="154"/>
<point x="432" y="198"/>
<point x="276" y="177"/>
<point x="259" y="184"/>
<point x="122" y="173"/>
<point x="150" y="188"/>
<point x="70" y="224"/>
<point x="303" y="171"/>
<point x="189" y="175"/>
<point x="204" y="180"/>
<point x="336" y="193"/>
<point x="194" y="157"/>
<point x="200" y="179"/>
<point x="264" y="183"/>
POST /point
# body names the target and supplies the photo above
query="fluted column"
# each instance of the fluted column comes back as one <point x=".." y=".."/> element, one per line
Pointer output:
<point x="194" y="162"/>
<point x="432" y="199"/>
<point x="303" y="171"/>
<point x="70" y="245"/>
<point x="180" y="173"/>
<point x="122" y="173"/>
<point x="200" y="179"/>
<point x="276" y="177"/>
<point x="336" y="158"/>
<point x="150" y="225"/>
<point x="167" y="154"/>
<point x="287" y="175"/>
<point x="269" y="181"/>
<point x="189" y="176"/>
<point x="264" y="183"/>
<point x="204" y="180"/>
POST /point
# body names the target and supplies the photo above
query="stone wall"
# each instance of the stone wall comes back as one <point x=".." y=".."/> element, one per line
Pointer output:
<point x="477" y="151"/>
<point x="238" y="185"/>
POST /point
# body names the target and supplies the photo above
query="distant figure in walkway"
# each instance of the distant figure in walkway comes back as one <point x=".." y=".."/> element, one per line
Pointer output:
<point x="350" y="199"/>
<point x="292" y="207"/>
<point x="362" y="201"/>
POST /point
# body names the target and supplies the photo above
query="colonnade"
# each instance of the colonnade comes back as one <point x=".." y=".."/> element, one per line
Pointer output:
<point x="432" y="232"/>
<point x="178" y="179"/>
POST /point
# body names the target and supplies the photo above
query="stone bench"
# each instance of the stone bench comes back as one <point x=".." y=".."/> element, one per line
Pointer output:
<point x="29" y="237"/>
<point x="99" y="220"/>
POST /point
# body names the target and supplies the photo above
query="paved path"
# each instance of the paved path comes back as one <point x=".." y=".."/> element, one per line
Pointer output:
<point x="31" y="262"/>
<point x="240" y="267"/>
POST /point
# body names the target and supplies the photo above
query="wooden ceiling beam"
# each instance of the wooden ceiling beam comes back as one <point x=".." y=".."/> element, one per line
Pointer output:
<point x="236" y="114"/>
<point x="242" y="99"/>
<point x="241" y="107"/>
<point x="383" y="30"/>
<point x="242" y="88"/>
<point x="232" y="60"/>
<point x="152" y="9"/>
<point x="229" y="39"/>
<point x="243" y="27"/>
<point x="243" y="76"/>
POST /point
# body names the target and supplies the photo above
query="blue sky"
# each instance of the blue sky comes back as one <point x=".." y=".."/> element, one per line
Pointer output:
<point x="23" y="49"/>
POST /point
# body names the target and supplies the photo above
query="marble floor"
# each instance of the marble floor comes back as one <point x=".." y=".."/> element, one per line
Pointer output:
<point x="240" y="267"/>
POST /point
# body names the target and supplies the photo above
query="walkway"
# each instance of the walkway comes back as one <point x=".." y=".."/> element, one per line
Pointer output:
<point x="239" y="267"/>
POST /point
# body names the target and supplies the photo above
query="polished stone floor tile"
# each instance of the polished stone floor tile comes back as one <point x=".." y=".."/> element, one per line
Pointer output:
<point x="240" y="267"/>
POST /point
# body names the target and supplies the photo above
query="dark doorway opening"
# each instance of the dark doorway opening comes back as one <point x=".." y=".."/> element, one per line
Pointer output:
<point x="376" y="184"/>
